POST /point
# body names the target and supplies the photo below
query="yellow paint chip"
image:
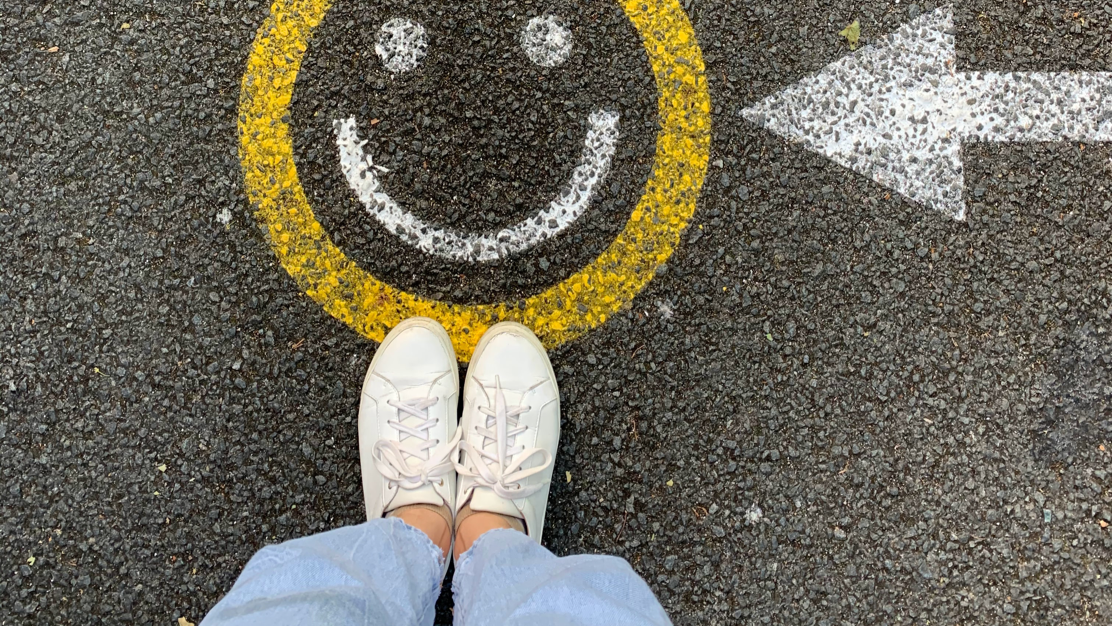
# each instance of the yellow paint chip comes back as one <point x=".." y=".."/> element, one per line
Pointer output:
<point x="558" y="314"/>
<point x="669" y="483"/>
<point x="568" y="476"/>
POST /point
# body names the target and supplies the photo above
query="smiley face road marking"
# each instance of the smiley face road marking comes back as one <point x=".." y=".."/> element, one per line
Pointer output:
<point x="363" y="178"/>
<point x="562" y="312"/>
<point x="546" y="42"/>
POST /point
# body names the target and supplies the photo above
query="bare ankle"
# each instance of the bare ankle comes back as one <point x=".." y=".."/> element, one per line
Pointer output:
<point x="428" y="521"/>
<point x="476" y="524"/>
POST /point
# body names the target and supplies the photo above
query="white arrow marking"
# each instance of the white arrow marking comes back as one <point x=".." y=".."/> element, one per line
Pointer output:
<point x="898" y="111"/>
<point x="594" y="164"/>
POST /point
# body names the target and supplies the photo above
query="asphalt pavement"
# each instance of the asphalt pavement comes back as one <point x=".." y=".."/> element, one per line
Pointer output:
<point x="831" y="405"/>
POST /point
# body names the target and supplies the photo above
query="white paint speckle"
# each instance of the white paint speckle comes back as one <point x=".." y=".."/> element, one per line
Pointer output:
<point x="401" y="45"/>
<point x="898" y="112"/>
<point x="546" y="41"/>
<point x="665" y="309"/>
<point x="224" y="216"/>
<point x="754" y="514"/>
<point x="363" y="177"/>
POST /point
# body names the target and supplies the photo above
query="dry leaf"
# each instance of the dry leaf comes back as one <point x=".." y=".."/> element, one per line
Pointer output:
<point x="568" y="475"/>
<point x="52" y="49"/>
<point x="1103" y="524"/>
<point x="184" y="622"/>
<point x="852" y="33"/>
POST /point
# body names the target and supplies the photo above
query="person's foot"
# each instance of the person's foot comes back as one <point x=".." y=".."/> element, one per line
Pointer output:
<point x="407" y="429"/>
<point x="511" y="431"/>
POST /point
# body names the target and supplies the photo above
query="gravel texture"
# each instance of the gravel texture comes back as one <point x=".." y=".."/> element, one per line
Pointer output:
<point x="832" y="407"/>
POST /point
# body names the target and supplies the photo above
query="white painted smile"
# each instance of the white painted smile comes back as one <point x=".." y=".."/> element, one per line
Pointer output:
<point x="546" y="42"/>
<point x="364" y="178"/>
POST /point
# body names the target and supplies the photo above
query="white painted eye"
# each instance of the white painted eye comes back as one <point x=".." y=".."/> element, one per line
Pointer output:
<point x="401" y="45"/>
<point x="546" y="41"/>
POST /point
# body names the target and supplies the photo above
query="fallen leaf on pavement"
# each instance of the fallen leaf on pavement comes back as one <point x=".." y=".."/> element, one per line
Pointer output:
<point x="852" y="33"/>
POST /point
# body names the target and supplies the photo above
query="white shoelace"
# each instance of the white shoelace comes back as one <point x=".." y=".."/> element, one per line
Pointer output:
<point x="500" y="469"/>
<point x="392" y="457"/>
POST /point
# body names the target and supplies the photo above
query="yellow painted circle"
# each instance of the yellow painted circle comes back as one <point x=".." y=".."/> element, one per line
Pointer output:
<point x="560" y="313"/>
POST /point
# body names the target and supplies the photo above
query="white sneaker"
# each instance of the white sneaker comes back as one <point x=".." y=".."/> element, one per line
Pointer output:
<point x="407" y="420"/>
<point x="511" y="427"/>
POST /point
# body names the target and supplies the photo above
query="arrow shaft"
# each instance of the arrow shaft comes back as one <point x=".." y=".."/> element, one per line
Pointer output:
<point x="1033" y="106"/>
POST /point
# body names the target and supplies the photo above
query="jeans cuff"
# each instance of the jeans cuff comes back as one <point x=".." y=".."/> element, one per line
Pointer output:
<point x="420" y="537"/>
<point x="493" y="536"/>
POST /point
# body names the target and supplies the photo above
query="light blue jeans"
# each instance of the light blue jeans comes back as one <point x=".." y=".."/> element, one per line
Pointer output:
<point x="387" y="573"/>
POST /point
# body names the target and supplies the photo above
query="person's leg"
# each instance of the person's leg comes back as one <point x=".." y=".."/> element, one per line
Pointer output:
<point x="510" y="434"/>
<point x="470" y="527"/>
<point x="383" y="572"/>
<point x="507" y="579"/>
<point x="430" y="522"/>
<point x="388" y="570"/>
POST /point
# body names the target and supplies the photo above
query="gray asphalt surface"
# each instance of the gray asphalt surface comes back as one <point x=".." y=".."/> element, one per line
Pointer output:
<point x="833" y="407"/>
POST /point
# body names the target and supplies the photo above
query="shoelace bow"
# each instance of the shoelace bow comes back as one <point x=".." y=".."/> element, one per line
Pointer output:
<point x="392" y="457"/>
<point x="500" y="469"/>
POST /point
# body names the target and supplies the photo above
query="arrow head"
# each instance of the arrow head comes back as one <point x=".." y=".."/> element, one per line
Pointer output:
<point x="883" y="112"/>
